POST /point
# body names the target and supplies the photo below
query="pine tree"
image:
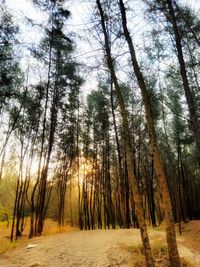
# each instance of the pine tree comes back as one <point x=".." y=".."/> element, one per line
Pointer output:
<point x="127" y="141"/>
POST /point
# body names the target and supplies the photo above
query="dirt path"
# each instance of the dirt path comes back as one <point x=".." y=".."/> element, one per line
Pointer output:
<point x="98" y="248"/>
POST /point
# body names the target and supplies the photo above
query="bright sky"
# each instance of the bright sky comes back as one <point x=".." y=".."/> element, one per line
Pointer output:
<point x="24" y="8"/>
<point x="80" y="10"/>
<point x="195" y="4"/>
<point x="79" y="24"/>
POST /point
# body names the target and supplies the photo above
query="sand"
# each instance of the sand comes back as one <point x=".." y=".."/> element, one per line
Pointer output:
<point x="98" y="248"/>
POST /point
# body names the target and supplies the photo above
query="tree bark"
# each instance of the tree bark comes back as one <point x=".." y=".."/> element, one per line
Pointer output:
<point x="119" y="157"/>
<point x="158" y="164"/>
<point x="127" y="141"/>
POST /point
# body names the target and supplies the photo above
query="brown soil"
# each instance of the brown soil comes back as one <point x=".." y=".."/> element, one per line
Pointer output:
<point x="98" y="248"/>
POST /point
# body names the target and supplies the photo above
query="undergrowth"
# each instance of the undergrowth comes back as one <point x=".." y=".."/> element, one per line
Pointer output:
<point x="160" y="253"/>
<point x="6" y="244"/>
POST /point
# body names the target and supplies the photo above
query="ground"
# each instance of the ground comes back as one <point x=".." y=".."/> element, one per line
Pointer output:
<point x="105" y="248"/>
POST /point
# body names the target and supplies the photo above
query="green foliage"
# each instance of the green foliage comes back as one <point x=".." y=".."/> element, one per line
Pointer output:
<point x="174" y="93"/>
<point x="98" y="107"/>
<point x="188" y="23"/>
<point x="7" y="194"/>
<point x="10" y="74"/>
<point x="63" y="82"/>
<point x="154" y="97"/>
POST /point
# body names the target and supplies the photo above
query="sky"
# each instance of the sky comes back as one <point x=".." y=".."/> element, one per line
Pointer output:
<point x="23" y="8"/>
<point x="79" y="24"/>
<point x="195" y="4"/>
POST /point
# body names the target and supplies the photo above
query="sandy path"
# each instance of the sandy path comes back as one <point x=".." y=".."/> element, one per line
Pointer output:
<point x="81" y="248"/>
<point x="98" y="248"/>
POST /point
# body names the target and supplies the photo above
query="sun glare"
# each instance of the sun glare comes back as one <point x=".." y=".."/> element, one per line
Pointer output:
<point x="85" y="170"/>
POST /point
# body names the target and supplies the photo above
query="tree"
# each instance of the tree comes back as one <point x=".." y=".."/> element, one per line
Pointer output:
<point x="127" y="141"/>
<point x="26" y="130"/>
<point x="61" y="77"/>
<point x="10" y="75"/>
<point x="9" y="67"/>
<point x="68" y="144"/>
<point x="178" y="21"/>
<point x="158" y="164"/>
<point x="98" y="103"/>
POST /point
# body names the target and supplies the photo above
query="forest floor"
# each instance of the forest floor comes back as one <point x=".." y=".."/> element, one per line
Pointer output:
<point x="102" y="248"/>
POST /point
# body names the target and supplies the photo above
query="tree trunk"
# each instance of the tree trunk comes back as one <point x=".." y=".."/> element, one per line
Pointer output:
<point x="127" y="141"/>
<point x="158" y="164"/>
<point x="119" y="157"/>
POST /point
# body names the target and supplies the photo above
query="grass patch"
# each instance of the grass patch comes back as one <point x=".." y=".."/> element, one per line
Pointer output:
<point x="51" y="227"/>
<point x="6" y="244"/>
<point x="160" y="253"/>
<point x="137" y="253"/>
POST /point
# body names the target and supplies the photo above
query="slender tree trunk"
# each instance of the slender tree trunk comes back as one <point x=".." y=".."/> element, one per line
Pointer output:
<point x="62" y="186"/>
<point x="108" y="184"/>
<point x="35" y="206"/>
<point x="91" y="198"/>
<point x="158" y="164"/>
<point x="80" y="220"/>
<point x="127" y="141"/>
<point x="70" y="203"/>
<point x="149" y="175"/>
<point x="2" y="162"/>
<point x="119" y="157"/>
<point x="127" y="193"/>
<point x="16" y="211"/>
<point x="42" y="200"/>
<point x="99" y="199"/>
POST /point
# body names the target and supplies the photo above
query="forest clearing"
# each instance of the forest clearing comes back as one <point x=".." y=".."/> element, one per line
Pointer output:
<point x="99" y="133"/>
<point x="102" y="248"/>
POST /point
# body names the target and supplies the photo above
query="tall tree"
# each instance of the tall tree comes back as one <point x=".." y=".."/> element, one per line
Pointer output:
<point x="9" y="66"/>
<point x="179" y="22"/>
<point x="10" y="77"/>
<point x="61" y="77"/>
<point x="158" y="164"/>
<point x="127" y="141"/>
<point x="68" y="144"/>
